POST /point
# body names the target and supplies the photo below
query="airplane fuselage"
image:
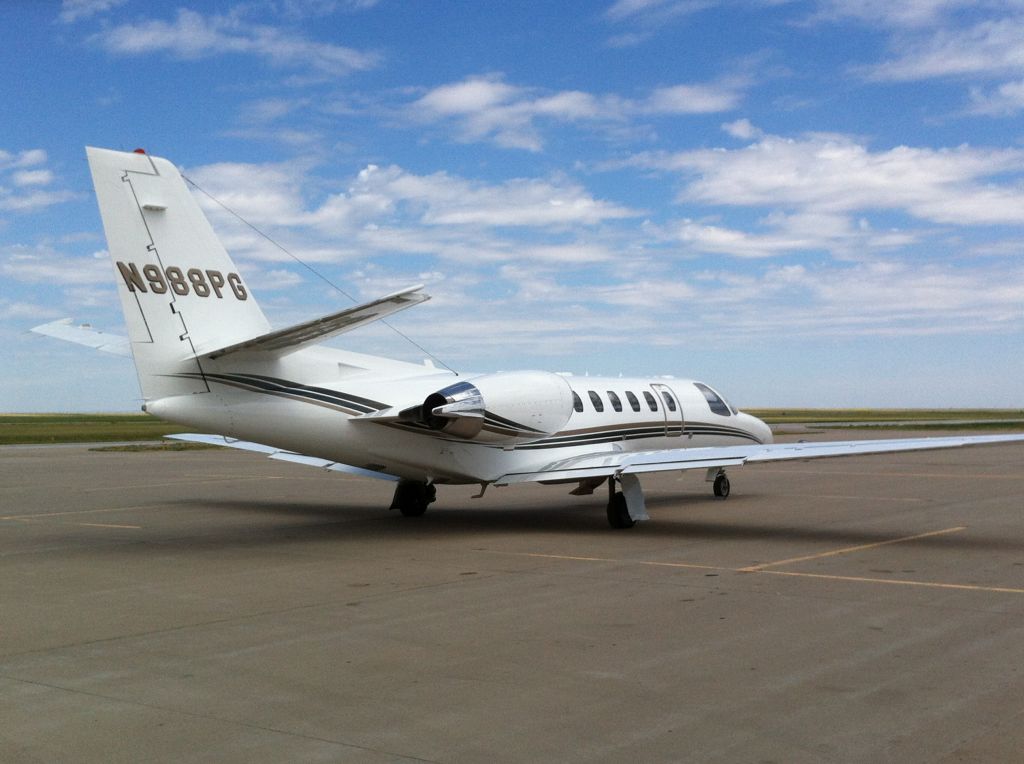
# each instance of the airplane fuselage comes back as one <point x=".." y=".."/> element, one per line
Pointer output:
<point x="334" y="413"/>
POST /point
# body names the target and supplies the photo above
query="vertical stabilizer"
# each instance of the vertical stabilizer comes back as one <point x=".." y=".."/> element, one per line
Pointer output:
<point x="180" y="292"/>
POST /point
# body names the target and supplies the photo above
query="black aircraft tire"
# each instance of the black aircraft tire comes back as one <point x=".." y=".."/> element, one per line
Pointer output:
<point x="412" y="499"/>
<point x="618" y="513"/>
<point x="722" y="487"/>
<point x="413" y="509"/>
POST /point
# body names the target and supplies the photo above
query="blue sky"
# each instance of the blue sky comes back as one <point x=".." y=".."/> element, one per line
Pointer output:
<point x="811" y="203"/>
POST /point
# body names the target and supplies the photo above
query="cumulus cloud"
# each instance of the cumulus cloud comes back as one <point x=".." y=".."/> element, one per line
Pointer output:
<point x="443" y="199"/>
<point x="22" y="171"/>
<point x="32" y="177"/>
<point x="838" y="174"/>
<point x="788" y="234"/>
<point x="486" y="108"/>
<point x="384" y="211"/>
<point x="191" y="35"/>
<point x="27" y="158"/>
<point x="742" y="129"/>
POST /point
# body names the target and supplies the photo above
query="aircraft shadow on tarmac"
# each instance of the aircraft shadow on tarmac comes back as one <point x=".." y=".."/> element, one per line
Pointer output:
<point x="280" y="523"/>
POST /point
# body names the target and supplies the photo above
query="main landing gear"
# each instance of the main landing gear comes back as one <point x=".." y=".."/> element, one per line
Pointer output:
<point x="412" y="498"/>
<point x="618" y="512"/>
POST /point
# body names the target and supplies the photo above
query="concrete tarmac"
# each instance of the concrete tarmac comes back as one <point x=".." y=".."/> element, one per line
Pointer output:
<point x="209" y="606"/>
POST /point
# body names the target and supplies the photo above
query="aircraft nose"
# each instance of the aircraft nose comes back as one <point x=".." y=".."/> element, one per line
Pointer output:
<point x="758" y="428"/>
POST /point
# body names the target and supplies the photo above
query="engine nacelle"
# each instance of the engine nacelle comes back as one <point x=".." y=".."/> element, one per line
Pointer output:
<point x="507" y="408"/>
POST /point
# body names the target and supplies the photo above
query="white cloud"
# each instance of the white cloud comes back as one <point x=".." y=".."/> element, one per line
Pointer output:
<point x="486" y="108"/>
<point x="791" y="234"/>
<point x="75" y="10"/>
<point x="837" y="174"/>
<point x="690" y="99"/>
<point x="192" y="35"/>
<point x="32" y="177"/>
<point x="649" y="16"/>
<point x="27" y="158"/>
<point x="655" y="13"/>
<point x="47" y="266"/>
<point x="386" y="211"/>
<point x="26" y="196"/>
<point x="269" y="194"/>
<point x="1006" y="100"/>
<point x="874" y="298"/>
<point x="906" y="13"/>
<point x="13" y="309"/>
<point x="445" y="200"/>
<point x="742" y="129"/>
<point x="270" y="109"/>
<point x="989" y="48"/>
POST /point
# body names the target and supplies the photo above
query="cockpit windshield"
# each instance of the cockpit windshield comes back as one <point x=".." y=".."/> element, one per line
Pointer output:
<point x="716" y="402"/>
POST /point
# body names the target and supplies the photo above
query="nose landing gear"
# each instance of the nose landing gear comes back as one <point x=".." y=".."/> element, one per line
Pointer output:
<point x="721" y="486"/>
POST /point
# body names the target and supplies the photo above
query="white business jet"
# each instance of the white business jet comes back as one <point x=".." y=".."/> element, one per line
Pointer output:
<point x="207" y="358"/>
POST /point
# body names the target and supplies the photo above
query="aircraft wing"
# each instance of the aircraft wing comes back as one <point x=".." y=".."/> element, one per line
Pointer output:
<point x="84" y="334"/>
<point x="284" y="341"/>
<point x="280" y="454"/>
<point x="606" y="463"/>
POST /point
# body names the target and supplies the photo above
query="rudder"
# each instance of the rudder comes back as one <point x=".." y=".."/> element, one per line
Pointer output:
<point x="181" y="294"/>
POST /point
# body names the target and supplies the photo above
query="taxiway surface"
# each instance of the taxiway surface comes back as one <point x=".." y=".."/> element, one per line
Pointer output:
<point x="209" y="606"/>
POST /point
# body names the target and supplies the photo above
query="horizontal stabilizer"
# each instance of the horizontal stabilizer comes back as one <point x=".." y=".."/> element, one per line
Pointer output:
<point x="280" y="454"/>
<point x="83" y="334"/>
<point x="285" y="341"/>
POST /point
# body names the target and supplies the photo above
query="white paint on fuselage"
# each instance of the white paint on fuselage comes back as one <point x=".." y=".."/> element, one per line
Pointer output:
<point x="320" y="429"/>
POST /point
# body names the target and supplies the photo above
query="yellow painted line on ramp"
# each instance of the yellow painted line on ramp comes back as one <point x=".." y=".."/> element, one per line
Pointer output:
<point x="246" y="478"/>
<point x="895" y="581"/>
<point x="762" y="569"/>
<point x="82" y="512"/>
<point x="111" y="525"/>
<point x="622" y="562"/>
<point x="883" y="474"/>
<point x="849" y="549"/>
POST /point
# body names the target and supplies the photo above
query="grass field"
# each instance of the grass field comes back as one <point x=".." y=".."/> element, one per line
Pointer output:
<point x="100" y="428"/>
<point x="81" y="428"/>
<point x="985" y="418"/>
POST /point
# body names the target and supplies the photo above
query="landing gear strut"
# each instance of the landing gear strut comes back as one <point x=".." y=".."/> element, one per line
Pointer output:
<point x="618" y="512"/>
<point x="412" y="498"/>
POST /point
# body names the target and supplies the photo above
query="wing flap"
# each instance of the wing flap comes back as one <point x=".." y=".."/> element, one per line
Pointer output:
<point x="284" y="341"/>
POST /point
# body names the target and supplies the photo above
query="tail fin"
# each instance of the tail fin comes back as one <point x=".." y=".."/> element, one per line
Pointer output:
<point x="180" y="292"/>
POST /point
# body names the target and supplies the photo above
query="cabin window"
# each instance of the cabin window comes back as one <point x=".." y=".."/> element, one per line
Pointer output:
<point x="669" y="400"/>
<point x="596" y="400"/>
<point x="652" y="404"/>
<point x="577" y="402"/>
<point x="716" y="402"/>
<point x="616" y="403"/>
<point x="633" y="402"/>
